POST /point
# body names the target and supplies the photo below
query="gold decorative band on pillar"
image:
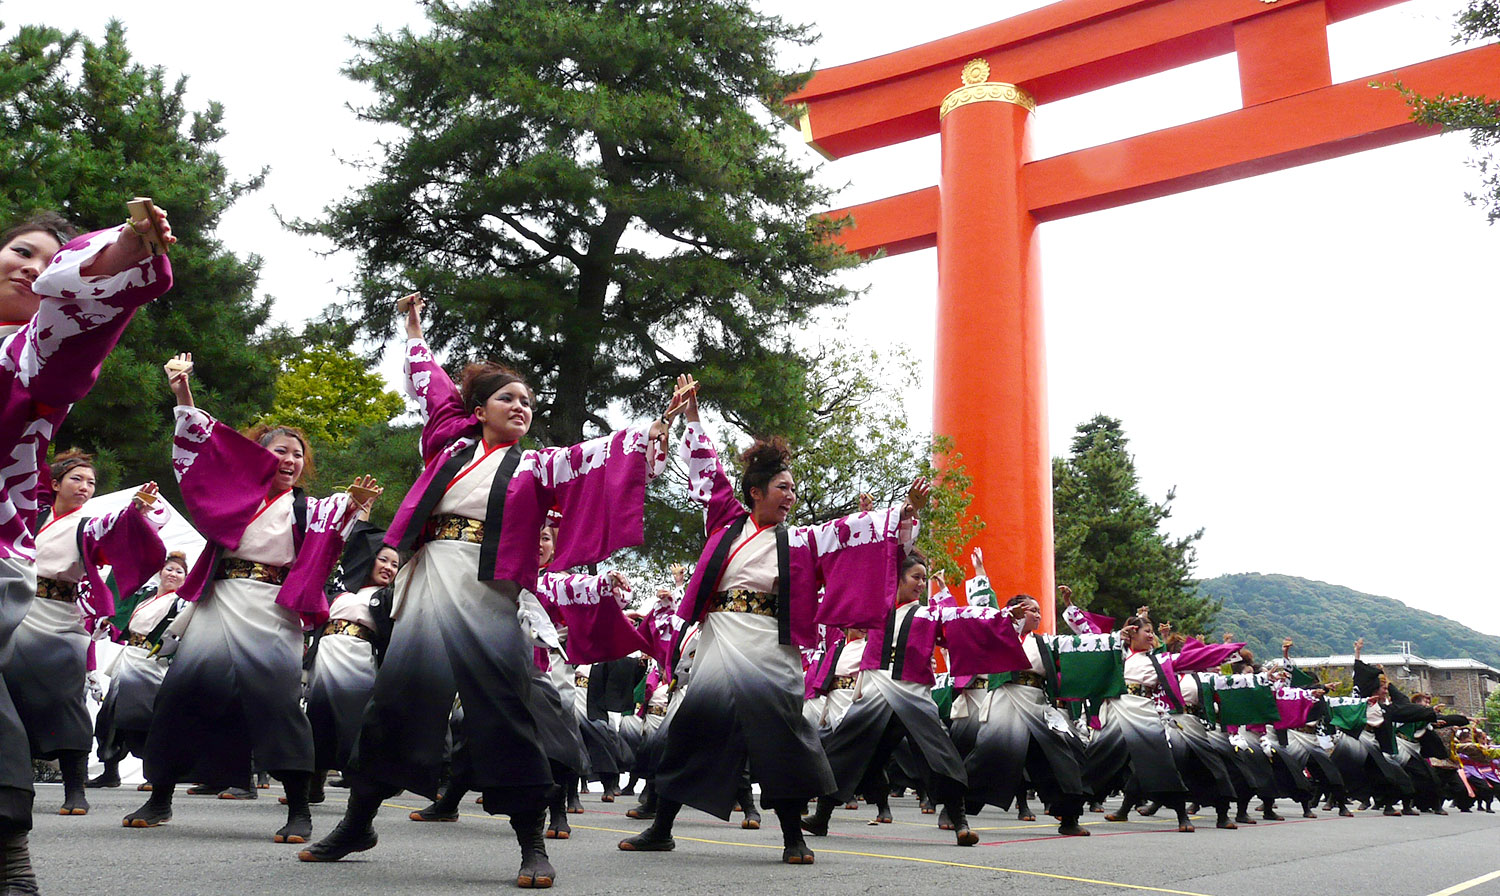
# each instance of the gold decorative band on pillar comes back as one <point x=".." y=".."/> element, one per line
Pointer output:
<point x="979" y="89"/>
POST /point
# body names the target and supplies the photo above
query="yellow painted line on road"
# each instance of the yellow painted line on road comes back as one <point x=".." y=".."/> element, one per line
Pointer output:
<point x="1468" y="884"/>
<point x="876" y="855"/>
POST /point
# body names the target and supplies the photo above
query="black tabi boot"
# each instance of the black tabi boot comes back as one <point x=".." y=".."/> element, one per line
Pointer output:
<point x="883" y="809"/>
<point x="1149" y="809"/>
<point x="1223" y="821"/>
<point x="75" y="772"/>
<point x="1307" y="808"/>
<point x="817" y="823"/>
<point x="16" y="876"/>
<point x="557" y="810"/>
<point x="1407" y="808"/>
<point x="1243" y="816"/>
<point x="960" y="820"/>
<point x="630" y="785"/>
<point x="658" y="837"/>
<point x="355" y="832"/>
<point x="298" y="827"/>
<point x="536" y="871"/>
<point x="1023" y="809"/>
<point x="445" y="808"/>
<point x="158" y="807"/>
<point x="945" y="823"/>
<point x="794" y="849"/>
<point x="1070" y="826"/>
<point x="574" y="806"/>
<point x="1126" y="804"/>
<point x="1268" y="811"/>
<point x="110" y="777"/>
<point x="647" y="806"/>
<point x="609" y="786"/>
<point x="752" y="814"/>
<point x="1184" y="823"/>
<point x="316" y="793"/>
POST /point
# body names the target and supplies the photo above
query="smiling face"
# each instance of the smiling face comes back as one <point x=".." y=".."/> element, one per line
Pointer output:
<point x="774" y="502"/>
<point x="1030" y="614"/>
<point x="22" y="260"/>
<point x="913" y="584"/>
<point x="172" y="576"/>
<point x="386" y="564"/>
<point x="291" y="457"/>
<point x="73" y="490"/>
<point x="506" y="414"/>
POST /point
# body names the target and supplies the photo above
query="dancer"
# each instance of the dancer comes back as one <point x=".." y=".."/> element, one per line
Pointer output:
<point x="48" y="673"/>
<point x="124" y="719"/>
<point x="755" y="590"/>
<point x="473" y="519"/>
<point x="51" y="349"/>
<point x="235" y="684"/>
<point x="893" y="703"/>
<point x="347" y="651"/>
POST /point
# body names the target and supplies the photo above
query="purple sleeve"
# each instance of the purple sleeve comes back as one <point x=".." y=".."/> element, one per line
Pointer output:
<point x="130" y="545"/>
<point x="329" y="521"/>
<point x="224" y="476"/>
<point x="981" y="640"/>
<point x="600" y="488"/>
<point x="81" y="318"/>
<point x="598" y="630"/>
<point x="708" y="484"/>
<point x="856" y="560"/>
<point x="438" y="400"/>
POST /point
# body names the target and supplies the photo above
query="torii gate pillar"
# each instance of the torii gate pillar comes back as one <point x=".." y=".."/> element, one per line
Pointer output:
<point x="989" y="329"/>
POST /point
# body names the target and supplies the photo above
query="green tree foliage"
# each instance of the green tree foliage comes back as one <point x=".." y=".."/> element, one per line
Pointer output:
<point x="329" y="393"/>
<point x="1479" y="115"/>
<point x="856" y="441"/>
<point x="1326" y="619"/>
<point x="1109" y="544"/>
<point x="1492" y="716"/>
<point x="596" y="193"/>
<point x="86" y="128"/>
<point x="387" y="452"/>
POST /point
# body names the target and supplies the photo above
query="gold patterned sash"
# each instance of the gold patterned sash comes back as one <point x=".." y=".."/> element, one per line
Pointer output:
<point x="1029" y="679"/>
<point x="134" y="640"/>
<point x="1141" y="690"/>
<point x="349" y="627"/>
<point x="52" y="589"/>
<point x="738" y="600"/>
<point x="580" y="680"/>
<point x="237" y="568"/>
<point x="655" y="710"/>
<point x="843" y="683"/>
<point x="447" y="527"/>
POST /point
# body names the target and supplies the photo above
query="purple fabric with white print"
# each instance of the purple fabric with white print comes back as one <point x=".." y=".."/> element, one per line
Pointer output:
<point x="1294" y="706"/>
<point x="853" y="559"/>
<point x="821" y="666"/>
<point x="224" y="478"/>
<point x="981" y="640"/>
<point x="1195" y="656"/>
<point x="53" y="361"/>
<point x="129" y="542"/>
<point x="598" y="630"/>
<point x="598" y="485"/>
<point x="658" y="627"/>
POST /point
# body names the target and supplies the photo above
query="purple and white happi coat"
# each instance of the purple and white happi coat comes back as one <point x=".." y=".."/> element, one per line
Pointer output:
<point x="593" y="609"/>
<point x="225" y="478"/>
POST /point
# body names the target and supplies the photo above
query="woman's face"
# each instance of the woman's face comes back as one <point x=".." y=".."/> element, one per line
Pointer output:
<point x="291" y="457"/>
<point x="773" y="503"/>
<point x="1144" y="639"/>
<point x="546" y="547"/>
<point x="506" y="414"/>
<point x="913" y="584"/>
<point x="73" y="490"/>
<point x="172" y="576"/>
<point x="22" y="260"/>
<point x="386" y="564"/>
<point x="1030" y="614"/>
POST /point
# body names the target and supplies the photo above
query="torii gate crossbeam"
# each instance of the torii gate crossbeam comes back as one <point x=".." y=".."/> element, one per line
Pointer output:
<point x="982" y="215"/>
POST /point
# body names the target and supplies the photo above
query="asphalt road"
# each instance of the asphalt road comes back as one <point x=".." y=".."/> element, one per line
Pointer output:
<point x="220" y="847"/>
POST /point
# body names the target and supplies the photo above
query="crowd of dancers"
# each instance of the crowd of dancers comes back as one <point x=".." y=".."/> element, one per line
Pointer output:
<point x="464" y="649"/>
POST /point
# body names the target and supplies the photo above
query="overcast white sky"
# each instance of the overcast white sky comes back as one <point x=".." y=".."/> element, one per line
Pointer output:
<point x="1307" y="356"/>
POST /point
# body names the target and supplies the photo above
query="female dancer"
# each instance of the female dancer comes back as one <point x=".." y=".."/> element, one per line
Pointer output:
<point x="235" y="684"/>
<point x="347" y="652"/>
<point x="473" y="518"/>
<point x="755" y="589"/>
<point x="125" y="716"/>
<point x="51" y="349"/>
<point x="46" y="674"/>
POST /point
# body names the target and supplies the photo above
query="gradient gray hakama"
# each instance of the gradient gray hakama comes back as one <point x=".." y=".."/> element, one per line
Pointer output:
<point x="46" y="676"/>
<point x="455" y="634"/>
<point x="1017" y="738"/>
<point x="234" y="688"/>
<point x="124" y="719"/>
<point x="17" y="590"/>
<point x="557" y="725"/>
<point x="1131" y="740"/>
<point x="745" y="704"/>
<point x="1305" y="747"/>
<point x="851" y="747"/>
<point x="1202" y="760"/>
<point x="338" y="690"/>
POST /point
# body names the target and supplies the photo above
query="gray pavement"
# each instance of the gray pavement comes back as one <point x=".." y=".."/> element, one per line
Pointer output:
<point x="215" y="846"/>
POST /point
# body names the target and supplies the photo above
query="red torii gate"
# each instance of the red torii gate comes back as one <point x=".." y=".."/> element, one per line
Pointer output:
<point x="990" y="369"/>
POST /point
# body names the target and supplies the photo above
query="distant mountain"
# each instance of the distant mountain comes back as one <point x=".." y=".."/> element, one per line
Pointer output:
<point x="1326" y="619"/>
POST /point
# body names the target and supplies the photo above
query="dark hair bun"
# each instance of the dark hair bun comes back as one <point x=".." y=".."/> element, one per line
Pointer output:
<point x="761" y="462"/>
